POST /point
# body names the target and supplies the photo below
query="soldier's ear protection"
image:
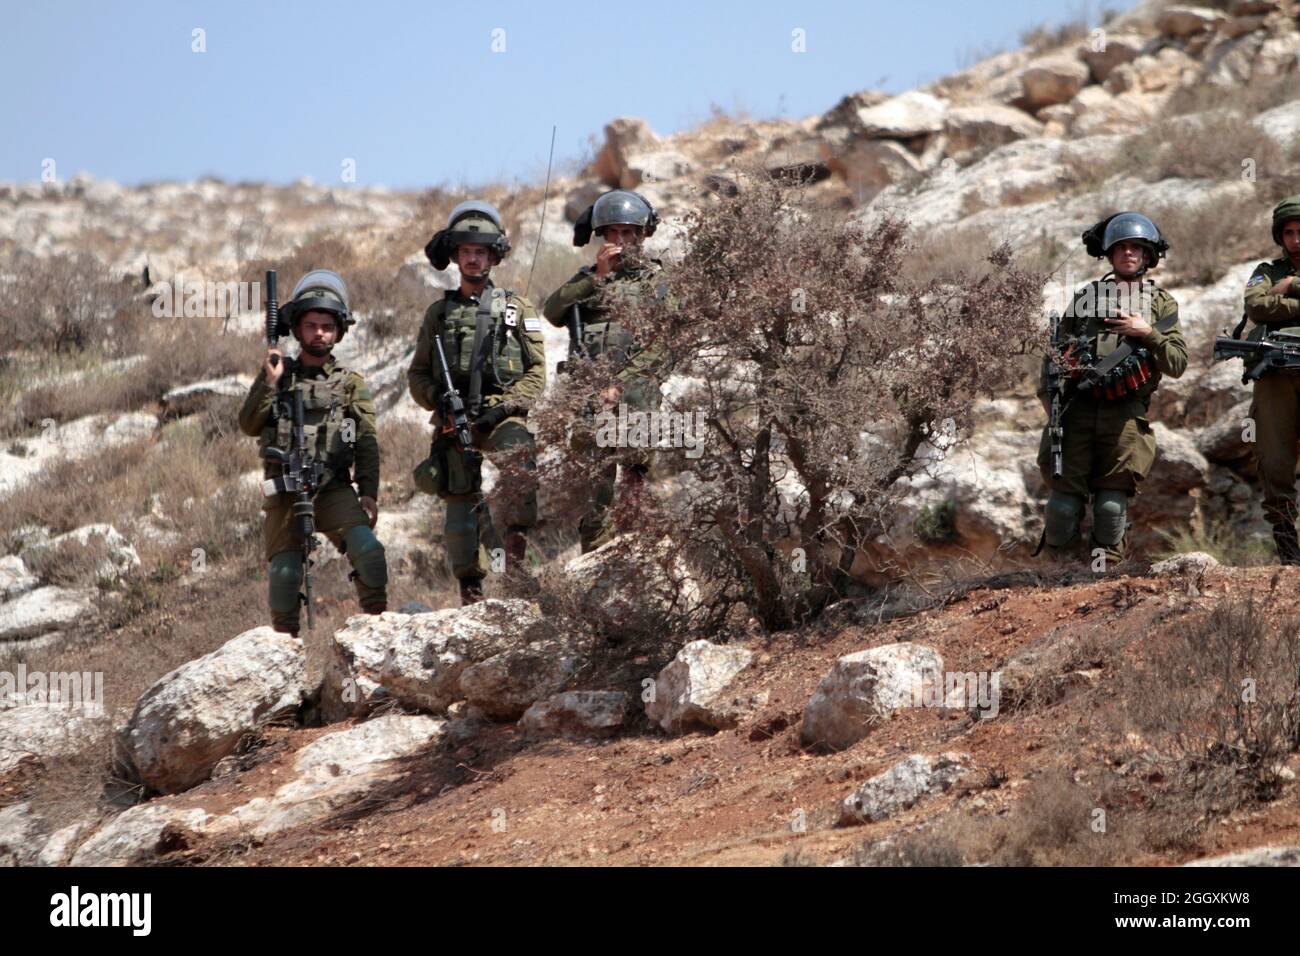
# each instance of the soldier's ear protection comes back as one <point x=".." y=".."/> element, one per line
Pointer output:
<point x="582" y="228"/>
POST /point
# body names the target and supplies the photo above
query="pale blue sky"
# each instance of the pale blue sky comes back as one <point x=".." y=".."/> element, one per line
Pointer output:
<point x="414" y="93"/>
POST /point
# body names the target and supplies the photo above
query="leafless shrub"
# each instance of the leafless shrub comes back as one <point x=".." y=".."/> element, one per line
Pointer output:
<point x="1219" y="705"/>
<point x="821" y="374"/>
<point x="66" y="303"/>
<point x="1054" y="822"/>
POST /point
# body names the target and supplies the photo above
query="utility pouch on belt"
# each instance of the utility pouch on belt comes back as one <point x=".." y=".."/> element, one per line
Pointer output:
<point x="447" y="471"/>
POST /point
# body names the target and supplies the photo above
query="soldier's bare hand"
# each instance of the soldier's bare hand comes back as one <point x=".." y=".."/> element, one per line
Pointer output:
<point x="273" y="370"/>
<point x="371" y="507"/>
<point x="607" y="259"/>
<point x="1284" y="287"/>
<point x="1128" y="323"/>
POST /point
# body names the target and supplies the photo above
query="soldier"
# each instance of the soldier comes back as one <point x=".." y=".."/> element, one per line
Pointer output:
<point x="493" y="342"/>
<point x="1272" y="303"/>
<point x="339" y="422"/>
<point x="623" y="220"/>
<point x="1126" y="328"/>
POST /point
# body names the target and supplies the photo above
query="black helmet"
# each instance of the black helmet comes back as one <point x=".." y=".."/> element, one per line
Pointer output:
<point x="616" y="207"/>
<point x="1126" y="226"/>
<point x="318" y="291"/>
<point x="475" y="222"/>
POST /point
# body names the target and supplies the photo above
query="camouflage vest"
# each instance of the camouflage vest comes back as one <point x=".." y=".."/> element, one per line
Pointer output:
<point x="329" y="432"/>
<point x="505" y="358"/>
<point x="602" y="334"/>
<point x="1139" y="376"/>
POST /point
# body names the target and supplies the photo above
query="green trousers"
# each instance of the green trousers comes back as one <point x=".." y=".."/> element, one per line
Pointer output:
<point x="1108" y="446"/>
<point x="341" y="519"/>
<point x="469" y="530"/>
<point x="1276" y="413"/>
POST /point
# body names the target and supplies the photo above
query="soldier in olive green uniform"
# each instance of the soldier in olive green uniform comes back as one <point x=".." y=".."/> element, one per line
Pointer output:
<point x="493" y="342"/>
<point x="339" y="423"/>
<point x="622" y="219"/>
<point x="1273" y="303"/>
<point x="1128" y="322"/>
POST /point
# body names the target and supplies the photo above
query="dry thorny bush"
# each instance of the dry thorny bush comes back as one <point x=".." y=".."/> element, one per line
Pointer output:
<point x="1219" y="707"/>
<point x="823" y="376"/>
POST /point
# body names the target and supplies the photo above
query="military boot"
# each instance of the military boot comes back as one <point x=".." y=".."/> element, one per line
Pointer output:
<point x="1288" y="547"/>
<point x="471" y="591"/>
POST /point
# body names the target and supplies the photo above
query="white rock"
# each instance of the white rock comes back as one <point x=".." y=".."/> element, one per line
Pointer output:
<point x="902" y="786"/>
<point x="329" y="774"/>
<point x="902" y="117"/>
<point x="1260" y="856"/>
<point x="15" y="579"/>
<point x="1282" y="122"/>
<point x="576" y="713"/>
<point x="138" y="835"/>
<point x="33" y="731"/>
<point x="507" y="684"/>
<point x="22" y="834"/>
<point x="621" y="583"/>
<point x="864" y="687"/>
<point x="187" y="399"/>
<point x="196" y="714"/>
<point x="334" y="771"/>
<point x="60" y="846"/>
<point x="697" y="689"/>
<point x="986" y="125"/>
<point x="417" y="659"/>
<point x="43" y="611"/>
<point x="658" y="166"/>
<point x="1190" y="563"/>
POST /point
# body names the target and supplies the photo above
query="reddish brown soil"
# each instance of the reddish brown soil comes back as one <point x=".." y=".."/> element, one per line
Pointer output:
<point x="733" y="797"/>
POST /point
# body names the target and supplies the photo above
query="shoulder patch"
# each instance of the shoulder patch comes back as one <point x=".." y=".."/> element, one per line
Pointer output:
<point x="532" y="324"/>
<point x="1256" y="280"/>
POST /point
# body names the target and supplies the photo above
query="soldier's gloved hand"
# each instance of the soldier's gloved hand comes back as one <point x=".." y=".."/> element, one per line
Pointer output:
<point x="490" y="418"/>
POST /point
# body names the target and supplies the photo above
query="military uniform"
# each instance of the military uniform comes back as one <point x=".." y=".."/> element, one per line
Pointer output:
<point x="333" y="397"/>
<point x="1108" y="445"/>
<point x="602" y="334"/>
<point x="513" y="375"/>
<point x="1276" y="406"/>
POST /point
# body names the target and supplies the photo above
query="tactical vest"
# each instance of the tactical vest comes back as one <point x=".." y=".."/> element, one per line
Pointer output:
<point x="324" y="406"/>
<point x="1135" y="377"/>
<point x="505" y="357"/>
<point x="600" y="334"/>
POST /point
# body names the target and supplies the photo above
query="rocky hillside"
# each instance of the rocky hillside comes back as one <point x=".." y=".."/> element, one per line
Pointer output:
<point x="129" y="535"/>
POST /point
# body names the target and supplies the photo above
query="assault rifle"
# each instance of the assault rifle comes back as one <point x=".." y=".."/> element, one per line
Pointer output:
<point x="1278" y="349"/>
<point x="455" y="418"/>
<point x="300" y="475"/>
<point x="1057" y="382"/>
